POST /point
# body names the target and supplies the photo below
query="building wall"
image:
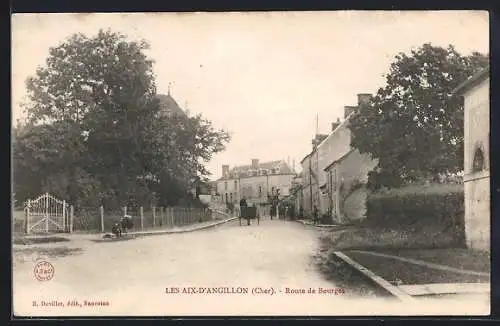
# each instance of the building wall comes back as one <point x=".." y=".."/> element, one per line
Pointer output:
<point x="255" y="189"/>
<point x="354" y="167"/>
<point x="336" y="145"/>
<point x="477" y="184"/>
<point x="306" y="187"/>
<point x="477" y="213"/>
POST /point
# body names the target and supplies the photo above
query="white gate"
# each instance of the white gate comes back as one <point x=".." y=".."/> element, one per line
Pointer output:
<point x="46" y="214"/>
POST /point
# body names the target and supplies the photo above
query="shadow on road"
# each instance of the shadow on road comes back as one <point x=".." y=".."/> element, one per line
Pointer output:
<point x="48" y="252"/>
<point x="40" y="240"/>
<point x="115" y="239"/>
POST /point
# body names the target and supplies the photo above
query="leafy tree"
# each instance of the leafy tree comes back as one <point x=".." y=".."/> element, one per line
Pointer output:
<point x="413" y="125"/>
<point x="95" y="131"/>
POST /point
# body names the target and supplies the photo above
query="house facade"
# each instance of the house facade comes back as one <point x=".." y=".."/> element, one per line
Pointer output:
<point x="331" y="166"/>
<point x="347" y="192"/>
<point x="255" y="182"/>
<point x="475" y="92"/>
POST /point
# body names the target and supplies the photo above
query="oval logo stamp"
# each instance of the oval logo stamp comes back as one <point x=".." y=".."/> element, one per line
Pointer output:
<point x="44" y="271"/>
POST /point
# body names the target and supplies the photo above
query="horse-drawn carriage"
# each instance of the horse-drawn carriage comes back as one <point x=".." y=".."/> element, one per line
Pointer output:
<point x="249" y="213"/>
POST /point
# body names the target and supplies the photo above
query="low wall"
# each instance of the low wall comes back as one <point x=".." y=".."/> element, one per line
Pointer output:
<point x="477" y="213"/>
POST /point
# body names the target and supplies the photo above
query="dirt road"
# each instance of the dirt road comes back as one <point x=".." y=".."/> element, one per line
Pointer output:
<point x="251" y="265"/>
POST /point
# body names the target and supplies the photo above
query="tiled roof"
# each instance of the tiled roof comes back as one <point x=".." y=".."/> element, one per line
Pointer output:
<point x="168" y="104"/>
<point x="248" y="170"/>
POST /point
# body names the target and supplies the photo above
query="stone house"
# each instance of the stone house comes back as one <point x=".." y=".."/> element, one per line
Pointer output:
<point x="331" y="161"/>
<point x="475" y="92"/>
<point x="310" y="192"/>
<point x="346" y="172"/>
<point x="256" y="182"/>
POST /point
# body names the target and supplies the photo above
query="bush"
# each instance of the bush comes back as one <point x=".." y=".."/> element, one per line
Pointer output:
<point x="415" y="207"/>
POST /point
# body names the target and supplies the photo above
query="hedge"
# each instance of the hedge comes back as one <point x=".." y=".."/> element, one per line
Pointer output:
<point x="435" y="205"/>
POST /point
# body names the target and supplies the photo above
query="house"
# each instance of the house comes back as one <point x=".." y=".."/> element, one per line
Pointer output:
<point x="332" y="163"/>
<point x="310" y="180"/>
<point x="296" y="191"/>
<point x="347" y="171"/>
<point x="475" y="92"/>
<point x="257" y="182"/>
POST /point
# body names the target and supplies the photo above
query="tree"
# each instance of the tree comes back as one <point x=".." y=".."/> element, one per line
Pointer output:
<point x="413" y="125"/>
<point x="95" y="131"/>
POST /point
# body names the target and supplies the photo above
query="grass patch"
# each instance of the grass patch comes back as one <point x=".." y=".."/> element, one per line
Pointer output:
<point x="407" y="273"/>
<point x="344" y="276"/>
<point x="453" y="257"/>
<point x="373" y="238"/>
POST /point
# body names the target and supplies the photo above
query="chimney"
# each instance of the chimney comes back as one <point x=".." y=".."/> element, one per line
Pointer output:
<point x="335" y="124"/>
<point x="225" y="171"/>
<point x="348" y="110"/>
<point x="255" y="163"/>
<point x="364" y="99"/>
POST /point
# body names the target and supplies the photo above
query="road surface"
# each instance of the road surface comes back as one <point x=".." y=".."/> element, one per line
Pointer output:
<point x="256" y="264"/>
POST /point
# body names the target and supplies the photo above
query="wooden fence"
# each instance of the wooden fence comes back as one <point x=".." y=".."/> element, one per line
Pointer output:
<point x="98" y="219"/>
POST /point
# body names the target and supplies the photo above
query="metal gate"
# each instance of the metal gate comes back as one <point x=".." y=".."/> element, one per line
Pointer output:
<point x="46" y="214"/>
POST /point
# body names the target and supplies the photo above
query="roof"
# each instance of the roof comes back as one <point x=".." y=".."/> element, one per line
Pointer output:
<point x="472" y="81"/>
<point x="246" y="169"/>
<point x="343" y="123"/>
<point x="305" y="157"/>
<point x="338" y="160"/>
<point x="168" y="104"/>
<point x="284" y="168"/>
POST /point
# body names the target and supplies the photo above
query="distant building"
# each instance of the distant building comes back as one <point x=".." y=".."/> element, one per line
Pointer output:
<point x="256" y="181"/>
<point x="169" y="106"/>
<point x="476" y="177"/>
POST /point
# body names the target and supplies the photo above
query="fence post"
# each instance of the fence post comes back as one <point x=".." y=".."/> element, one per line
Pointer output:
<point x="161" y="214"/>
<point x="154" y="216"/>
<point x="71" y="214"/>
<point x="102" y="218"/>
<point x="27" y="221"/>
<point x="64" y="216"/>
<point x="47" y="213"/>
<point x="142" y="218"/>
<point x="172" y="216"/>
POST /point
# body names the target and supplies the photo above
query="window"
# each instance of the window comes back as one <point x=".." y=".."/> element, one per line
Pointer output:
<point x="260" y="191"/>
<point x="478" y="162"/>
<point x="226" y="198"/>
<point x="235" y="184"/>
<point x="231" y="197"/>
<point x="225" y="186"/>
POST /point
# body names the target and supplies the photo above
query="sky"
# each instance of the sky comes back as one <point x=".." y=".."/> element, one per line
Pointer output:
<point x="263" y="77"/>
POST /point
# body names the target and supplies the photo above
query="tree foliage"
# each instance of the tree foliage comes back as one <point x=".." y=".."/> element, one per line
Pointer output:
<point x="414" y="125"/>
<point x="95" y="132"/>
